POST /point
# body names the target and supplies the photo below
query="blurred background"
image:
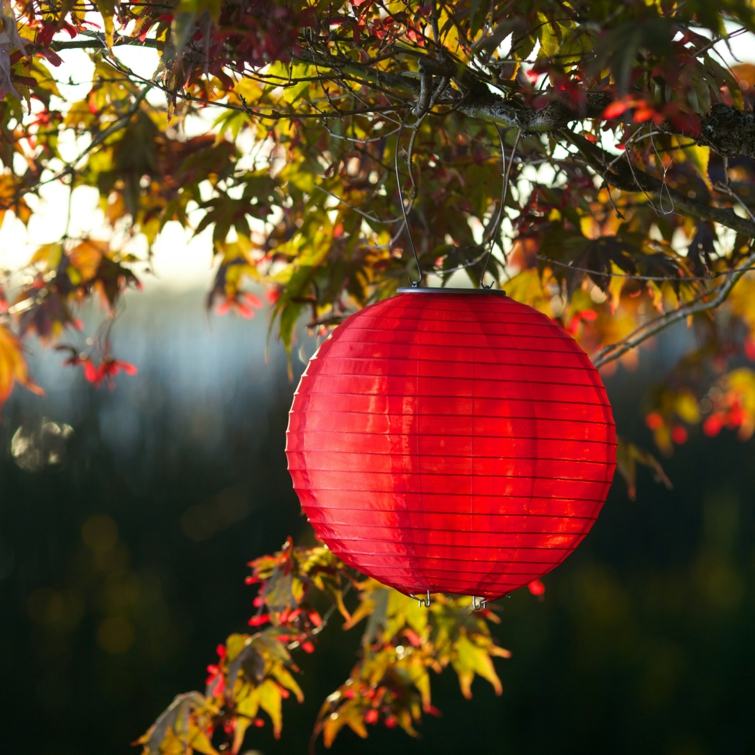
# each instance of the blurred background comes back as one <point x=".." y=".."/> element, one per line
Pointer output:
<point x="127" y="516"/>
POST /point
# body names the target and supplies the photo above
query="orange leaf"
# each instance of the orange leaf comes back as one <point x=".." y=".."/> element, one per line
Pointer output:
<point x="13" y="367"/>
<point x="642" y="114"/>
<point x="86" y="257"/>
<point x="617" y="108"/>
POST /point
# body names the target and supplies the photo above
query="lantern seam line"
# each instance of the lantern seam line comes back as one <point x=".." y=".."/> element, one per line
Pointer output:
<point x="457" y="435"/>
<point x="453" y="513"/>
<point x="502" y="577"/>
<point x="547" y="326"/>
<point x="554" y="562"/>
<point x="557" y="335"/>
<point x="472" y="361"/>
<point x="465" y="380"/>
<point x="449" y="456"/>
<point x="441" y="395"/>
<point x="490" y="416"/>
<point x="502" y="574"/>
<point x="486" y="476"/>
<point x="568" y="548"/>
<point x="454" y="530"/>
<point x="339" y="372"/>
<point x="446" y="512"/>
<point x="430" y="492"/>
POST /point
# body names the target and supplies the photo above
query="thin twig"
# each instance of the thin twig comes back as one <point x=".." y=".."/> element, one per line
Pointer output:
<point x="613" y="351"/>
<point x="365" y="215"/>
<point x="637" y="276"/>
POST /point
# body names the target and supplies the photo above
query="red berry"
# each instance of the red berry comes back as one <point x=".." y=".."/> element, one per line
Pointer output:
<point x="679" y="434"/>
<point x="654" y="420"/>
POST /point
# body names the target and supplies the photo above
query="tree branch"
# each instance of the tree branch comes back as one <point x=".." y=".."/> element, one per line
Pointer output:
<point x="615" y="350"/>
<point x="509" y="113"/>
<point x="99" y="44"/>
<point x="635" y="179"/>
<point x="729" y="132"/>
<point x="726" y="130"/>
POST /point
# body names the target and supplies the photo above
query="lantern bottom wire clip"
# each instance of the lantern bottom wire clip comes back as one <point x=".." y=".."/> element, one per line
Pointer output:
<point x="425" y="601"/>
<point x="478" y="603"/>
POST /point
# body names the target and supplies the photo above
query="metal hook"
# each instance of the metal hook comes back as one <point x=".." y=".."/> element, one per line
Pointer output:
<point x="424" y="602"/>
<point x="479" y="603"/>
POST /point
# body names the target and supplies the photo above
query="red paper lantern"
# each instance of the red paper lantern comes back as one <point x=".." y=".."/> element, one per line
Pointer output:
<point x="451" y="441"/>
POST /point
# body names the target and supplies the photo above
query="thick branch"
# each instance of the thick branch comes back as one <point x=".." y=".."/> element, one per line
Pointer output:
<point x="726" y="130"/>
<point x="729" y="132"/>
<point x="99" y="44"/>
<point x="552" y="117"/>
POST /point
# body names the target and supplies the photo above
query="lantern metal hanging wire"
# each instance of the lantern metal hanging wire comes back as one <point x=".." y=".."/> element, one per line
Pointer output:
<point x="496" y="224"/>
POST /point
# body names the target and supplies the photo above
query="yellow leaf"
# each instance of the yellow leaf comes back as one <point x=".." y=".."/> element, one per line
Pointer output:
<point x="48" y="256"/>
<point x="687" y="408"/>
<point x="269" y="696"/>
<point x="408" y="610"/>
<point x="11" y="198"/>
<point x="472" y="659"/>
<point x="330" y="728"/>
<point x="109" y="30"/>
<point x="449" y="32"/>
<point x="357" y="726"/>
<point x="422" y="683"/>
<point x="200" y="742"/>
<point x="695" y="154"/>
<point x="181" y="728"/>
<point x="662" y="437"/>
<point x="13" y="367"/>
<point x="550" y="36"/>
<point x="235" y="644"/>
<point x="107" y="10"/>
<point x="287" y="680"/>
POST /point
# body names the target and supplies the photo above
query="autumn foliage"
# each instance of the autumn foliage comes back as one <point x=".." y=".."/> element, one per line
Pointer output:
<point x="595" y="158"/>
<point x="300" y="590"/>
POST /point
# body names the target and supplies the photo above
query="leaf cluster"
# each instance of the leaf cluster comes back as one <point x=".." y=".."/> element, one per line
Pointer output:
<point x="403" y="644"/>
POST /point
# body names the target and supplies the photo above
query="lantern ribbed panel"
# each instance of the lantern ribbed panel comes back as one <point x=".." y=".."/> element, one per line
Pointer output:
<point x="451" y="442"/>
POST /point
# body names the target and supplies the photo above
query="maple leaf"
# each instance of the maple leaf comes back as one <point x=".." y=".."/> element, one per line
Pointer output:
<point x="10" y="42"/>
<point x="13" y="368"/>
